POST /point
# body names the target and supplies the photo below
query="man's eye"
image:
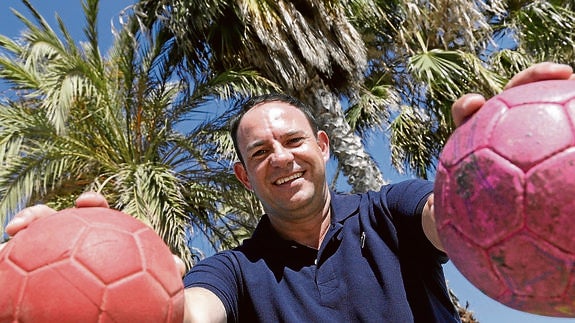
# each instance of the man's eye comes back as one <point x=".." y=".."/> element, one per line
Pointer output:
<point x="296" y="140"/>
<point x="260" y="152"/>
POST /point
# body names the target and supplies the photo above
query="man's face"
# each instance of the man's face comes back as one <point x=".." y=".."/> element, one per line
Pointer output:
<point x="284" y="161"/>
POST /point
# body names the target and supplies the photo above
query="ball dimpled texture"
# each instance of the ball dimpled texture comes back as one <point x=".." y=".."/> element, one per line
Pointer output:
<point x="89" y="265"/>
<point x="505" y="198"/>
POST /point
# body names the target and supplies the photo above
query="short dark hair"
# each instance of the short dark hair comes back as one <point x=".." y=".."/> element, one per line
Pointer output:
<point x="246" y="105"/>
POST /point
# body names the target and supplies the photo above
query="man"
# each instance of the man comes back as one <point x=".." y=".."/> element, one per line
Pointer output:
<point x="315" y="255"/>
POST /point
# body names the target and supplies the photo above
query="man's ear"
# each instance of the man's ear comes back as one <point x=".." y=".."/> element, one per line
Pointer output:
<point x="323" y="142"/>
<point x="242" y="175"/>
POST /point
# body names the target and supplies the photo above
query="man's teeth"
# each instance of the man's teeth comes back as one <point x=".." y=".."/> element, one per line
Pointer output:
<point x="289" y="178"/>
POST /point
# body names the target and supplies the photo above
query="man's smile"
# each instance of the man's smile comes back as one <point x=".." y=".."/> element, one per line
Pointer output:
<point x="289" y="178"/>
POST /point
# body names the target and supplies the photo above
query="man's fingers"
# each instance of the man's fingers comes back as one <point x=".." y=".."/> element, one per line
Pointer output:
<point x="180" y="264"/>
<point x="466" y="106"/>
<point x="28" y="215"/>
<point x="540" y="72"/>
<point x="91" y="199"/>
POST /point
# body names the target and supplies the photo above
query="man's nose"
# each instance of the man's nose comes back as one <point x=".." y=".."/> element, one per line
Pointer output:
<point x="281" y="156"/>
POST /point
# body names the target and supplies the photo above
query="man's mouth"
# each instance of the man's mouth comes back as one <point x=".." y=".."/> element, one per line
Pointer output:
<point x="289" y="178"/>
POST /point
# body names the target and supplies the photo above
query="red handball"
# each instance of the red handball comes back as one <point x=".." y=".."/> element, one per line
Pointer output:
<point x="505" y="198"/>
<point x="89" y="265"/>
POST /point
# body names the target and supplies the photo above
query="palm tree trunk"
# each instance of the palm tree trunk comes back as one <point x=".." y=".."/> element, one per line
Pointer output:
<point x="361" y="170"/>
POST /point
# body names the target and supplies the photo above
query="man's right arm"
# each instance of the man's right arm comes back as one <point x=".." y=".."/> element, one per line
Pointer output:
<point x="203" y="306"/>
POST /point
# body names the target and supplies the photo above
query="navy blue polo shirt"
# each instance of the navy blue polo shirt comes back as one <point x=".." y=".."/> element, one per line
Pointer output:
<point x="374" y="265"/>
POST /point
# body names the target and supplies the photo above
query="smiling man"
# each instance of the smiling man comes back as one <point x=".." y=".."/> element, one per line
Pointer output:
<point x="283" y="162"/>
<point x="316" y="255"/>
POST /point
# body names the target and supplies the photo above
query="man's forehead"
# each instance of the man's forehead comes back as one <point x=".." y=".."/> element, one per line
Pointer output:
<point x="275" y="104"/>
<point x="274" y="110"/>
<point x="273" y="115"/>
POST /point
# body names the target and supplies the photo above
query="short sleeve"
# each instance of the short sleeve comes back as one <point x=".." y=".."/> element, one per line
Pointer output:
<point x="408" y="198"/>
<point x="406" y="201"/>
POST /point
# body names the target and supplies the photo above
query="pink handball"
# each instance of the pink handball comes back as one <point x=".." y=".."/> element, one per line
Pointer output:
<point x="505" y="198"/>
<point x="89" y="265"/>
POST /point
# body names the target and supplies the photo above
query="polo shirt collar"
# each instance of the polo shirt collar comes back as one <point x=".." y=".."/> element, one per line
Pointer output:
<point x="343" y="206"/>
<point x="265" y="232"/>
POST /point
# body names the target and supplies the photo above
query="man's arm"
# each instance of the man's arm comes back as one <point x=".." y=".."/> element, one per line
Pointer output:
<point x="429" y="226"/>
<point x="203" y="306"/>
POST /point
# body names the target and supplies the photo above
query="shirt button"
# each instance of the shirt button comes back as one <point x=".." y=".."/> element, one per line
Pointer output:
<point x="315" y="262"/>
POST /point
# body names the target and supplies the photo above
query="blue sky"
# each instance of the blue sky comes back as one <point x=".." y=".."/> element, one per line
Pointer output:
<point x="486" y="310"/>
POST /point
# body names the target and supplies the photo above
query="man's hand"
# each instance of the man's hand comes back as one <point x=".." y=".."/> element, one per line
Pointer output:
<point x="91" y="199"/>
<point x="30" y="214"/>
<point x="88" y="199"/>
<point x="468" y="104"/>
<point x="540" y="72"/>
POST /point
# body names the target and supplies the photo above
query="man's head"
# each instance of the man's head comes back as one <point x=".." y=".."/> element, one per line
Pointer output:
<point x="247" y="105"/>
<point x="283" y="154"/>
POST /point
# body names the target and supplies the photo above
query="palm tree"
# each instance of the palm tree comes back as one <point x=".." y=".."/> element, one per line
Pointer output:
<point x="421" y="56"/>
<point x="74" y="120"/>
<point x="309" y="48"/>
<point x="435" y="51"/>
<point x="429" y="51"/>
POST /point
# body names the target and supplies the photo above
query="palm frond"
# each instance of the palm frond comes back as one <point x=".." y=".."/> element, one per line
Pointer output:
<point x="372" y="108"/>
<point x="152" y="193"/>
<point x="439" y="69"/>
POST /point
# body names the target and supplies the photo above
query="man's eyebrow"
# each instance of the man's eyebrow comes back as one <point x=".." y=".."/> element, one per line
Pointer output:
<point x="259" y="143"/>
<point x="255" y="144"/>
<point x="293" y="133"/>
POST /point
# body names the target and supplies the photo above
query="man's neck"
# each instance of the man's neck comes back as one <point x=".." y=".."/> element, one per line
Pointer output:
<point x="309" y="231"/>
